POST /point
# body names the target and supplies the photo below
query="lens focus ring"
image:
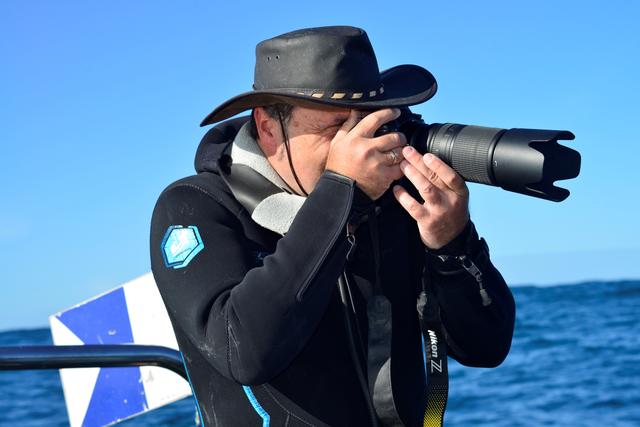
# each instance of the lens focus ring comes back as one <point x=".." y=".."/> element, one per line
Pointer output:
<point x="470" y="150"/>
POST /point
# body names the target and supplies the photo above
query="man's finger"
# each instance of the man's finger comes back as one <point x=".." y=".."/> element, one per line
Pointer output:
<point x="372" y="121"/>
<point x="445" y="173"/>
<point x="417" y="161"/>
<point x="411" y="205"/>
<point x="390" y="141"/>
<point x="428" y="191"/>
<point x="350" y="123"/>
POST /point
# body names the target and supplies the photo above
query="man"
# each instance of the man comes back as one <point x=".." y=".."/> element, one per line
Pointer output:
<point x="292" y="266"/>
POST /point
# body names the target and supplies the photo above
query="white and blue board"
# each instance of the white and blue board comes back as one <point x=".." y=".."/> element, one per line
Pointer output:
<point x="130" y="314"/>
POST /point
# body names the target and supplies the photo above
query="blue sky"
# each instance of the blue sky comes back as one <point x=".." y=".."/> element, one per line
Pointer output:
<point x="101" y="103"/>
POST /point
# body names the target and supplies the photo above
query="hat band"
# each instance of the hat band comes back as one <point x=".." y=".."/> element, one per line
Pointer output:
<point x="339" y="95"/>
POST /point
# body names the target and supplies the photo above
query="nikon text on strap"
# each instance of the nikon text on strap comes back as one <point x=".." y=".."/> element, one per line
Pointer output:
<point x="435" y="360"/>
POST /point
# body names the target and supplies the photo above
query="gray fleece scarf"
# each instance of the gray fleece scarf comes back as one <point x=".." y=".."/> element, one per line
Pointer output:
<point x="276" y="212"/>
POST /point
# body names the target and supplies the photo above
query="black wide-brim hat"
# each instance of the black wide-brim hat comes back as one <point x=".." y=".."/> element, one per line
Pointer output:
<point x="331" y="66"/>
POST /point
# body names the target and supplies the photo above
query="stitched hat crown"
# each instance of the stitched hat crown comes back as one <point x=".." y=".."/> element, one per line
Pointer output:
<point x="332" y="59"/>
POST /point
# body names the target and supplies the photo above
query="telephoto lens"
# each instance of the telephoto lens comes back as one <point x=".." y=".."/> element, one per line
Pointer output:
<point x="525" y="161"/>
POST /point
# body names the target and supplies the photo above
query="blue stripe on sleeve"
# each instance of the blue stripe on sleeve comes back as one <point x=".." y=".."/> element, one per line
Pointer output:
<point x="256" y="405"/>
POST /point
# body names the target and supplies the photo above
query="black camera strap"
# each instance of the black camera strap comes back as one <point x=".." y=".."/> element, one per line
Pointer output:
<point x="435" y="350"/>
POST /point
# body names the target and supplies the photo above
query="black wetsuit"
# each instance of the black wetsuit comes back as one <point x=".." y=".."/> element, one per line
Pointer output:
<point x="257" y="309"/>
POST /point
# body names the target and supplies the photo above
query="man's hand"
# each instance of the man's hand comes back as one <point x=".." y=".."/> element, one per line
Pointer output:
<point x="445" y="210"/>
<point x="373" y="163"/>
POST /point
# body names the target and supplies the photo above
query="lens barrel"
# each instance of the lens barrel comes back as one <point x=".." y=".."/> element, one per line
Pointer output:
<point x="526" y="161"/>
<point x="468" y="149"/>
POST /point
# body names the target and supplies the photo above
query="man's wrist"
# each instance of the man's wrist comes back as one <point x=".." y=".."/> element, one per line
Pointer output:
<point x="467" y="245"/>
<point x="460" y="244"/>
<point x="361" y="203"/>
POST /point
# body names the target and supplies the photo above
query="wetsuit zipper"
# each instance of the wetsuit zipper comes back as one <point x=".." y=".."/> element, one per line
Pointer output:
<point x="351" y="238"/>
<point x="471" y="268"/>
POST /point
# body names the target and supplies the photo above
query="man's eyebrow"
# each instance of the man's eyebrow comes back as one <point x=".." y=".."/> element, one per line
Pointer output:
<point x="328" y="124"/>
<point x="338" y="121"/>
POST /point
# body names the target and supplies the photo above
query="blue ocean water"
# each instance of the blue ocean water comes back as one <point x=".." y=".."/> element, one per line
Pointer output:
<point x="575" y="361"/>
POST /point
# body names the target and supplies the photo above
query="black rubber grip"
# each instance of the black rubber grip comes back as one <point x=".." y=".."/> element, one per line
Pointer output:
<point x="470" y="153"/>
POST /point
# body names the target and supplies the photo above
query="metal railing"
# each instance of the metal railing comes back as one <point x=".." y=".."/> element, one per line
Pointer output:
<point x="90" y="356"/>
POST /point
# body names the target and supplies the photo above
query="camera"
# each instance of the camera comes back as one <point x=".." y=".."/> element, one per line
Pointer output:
<point x="525" y="161"/>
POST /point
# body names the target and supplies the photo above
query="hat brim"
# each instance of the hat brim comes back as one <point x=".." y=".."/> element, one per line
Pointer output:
<point x="404" y="85"/>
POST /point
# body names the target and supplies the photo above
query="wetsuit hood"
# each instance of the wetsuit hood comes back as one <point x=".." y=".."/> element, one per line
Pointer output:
<point x="214" y="142"/>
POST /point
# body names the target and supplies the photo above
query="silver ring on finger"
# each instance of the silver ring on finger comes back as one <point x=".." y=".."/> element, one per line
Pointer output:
<point x="394" y="157"/>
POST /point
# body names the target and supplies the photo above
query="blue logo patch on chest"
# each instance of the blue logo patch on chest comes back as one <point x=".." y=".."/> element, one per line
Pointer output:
<point x="180" y="245"/>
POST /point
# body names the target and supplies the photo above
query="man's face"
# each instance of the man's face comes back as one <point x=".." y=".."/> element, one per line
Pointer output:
<point x="310" y="134"/>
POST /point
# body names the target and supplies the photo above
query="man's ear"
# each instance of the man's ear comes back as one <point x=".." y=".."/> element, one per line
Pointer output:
<point x="269" y="134"/>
